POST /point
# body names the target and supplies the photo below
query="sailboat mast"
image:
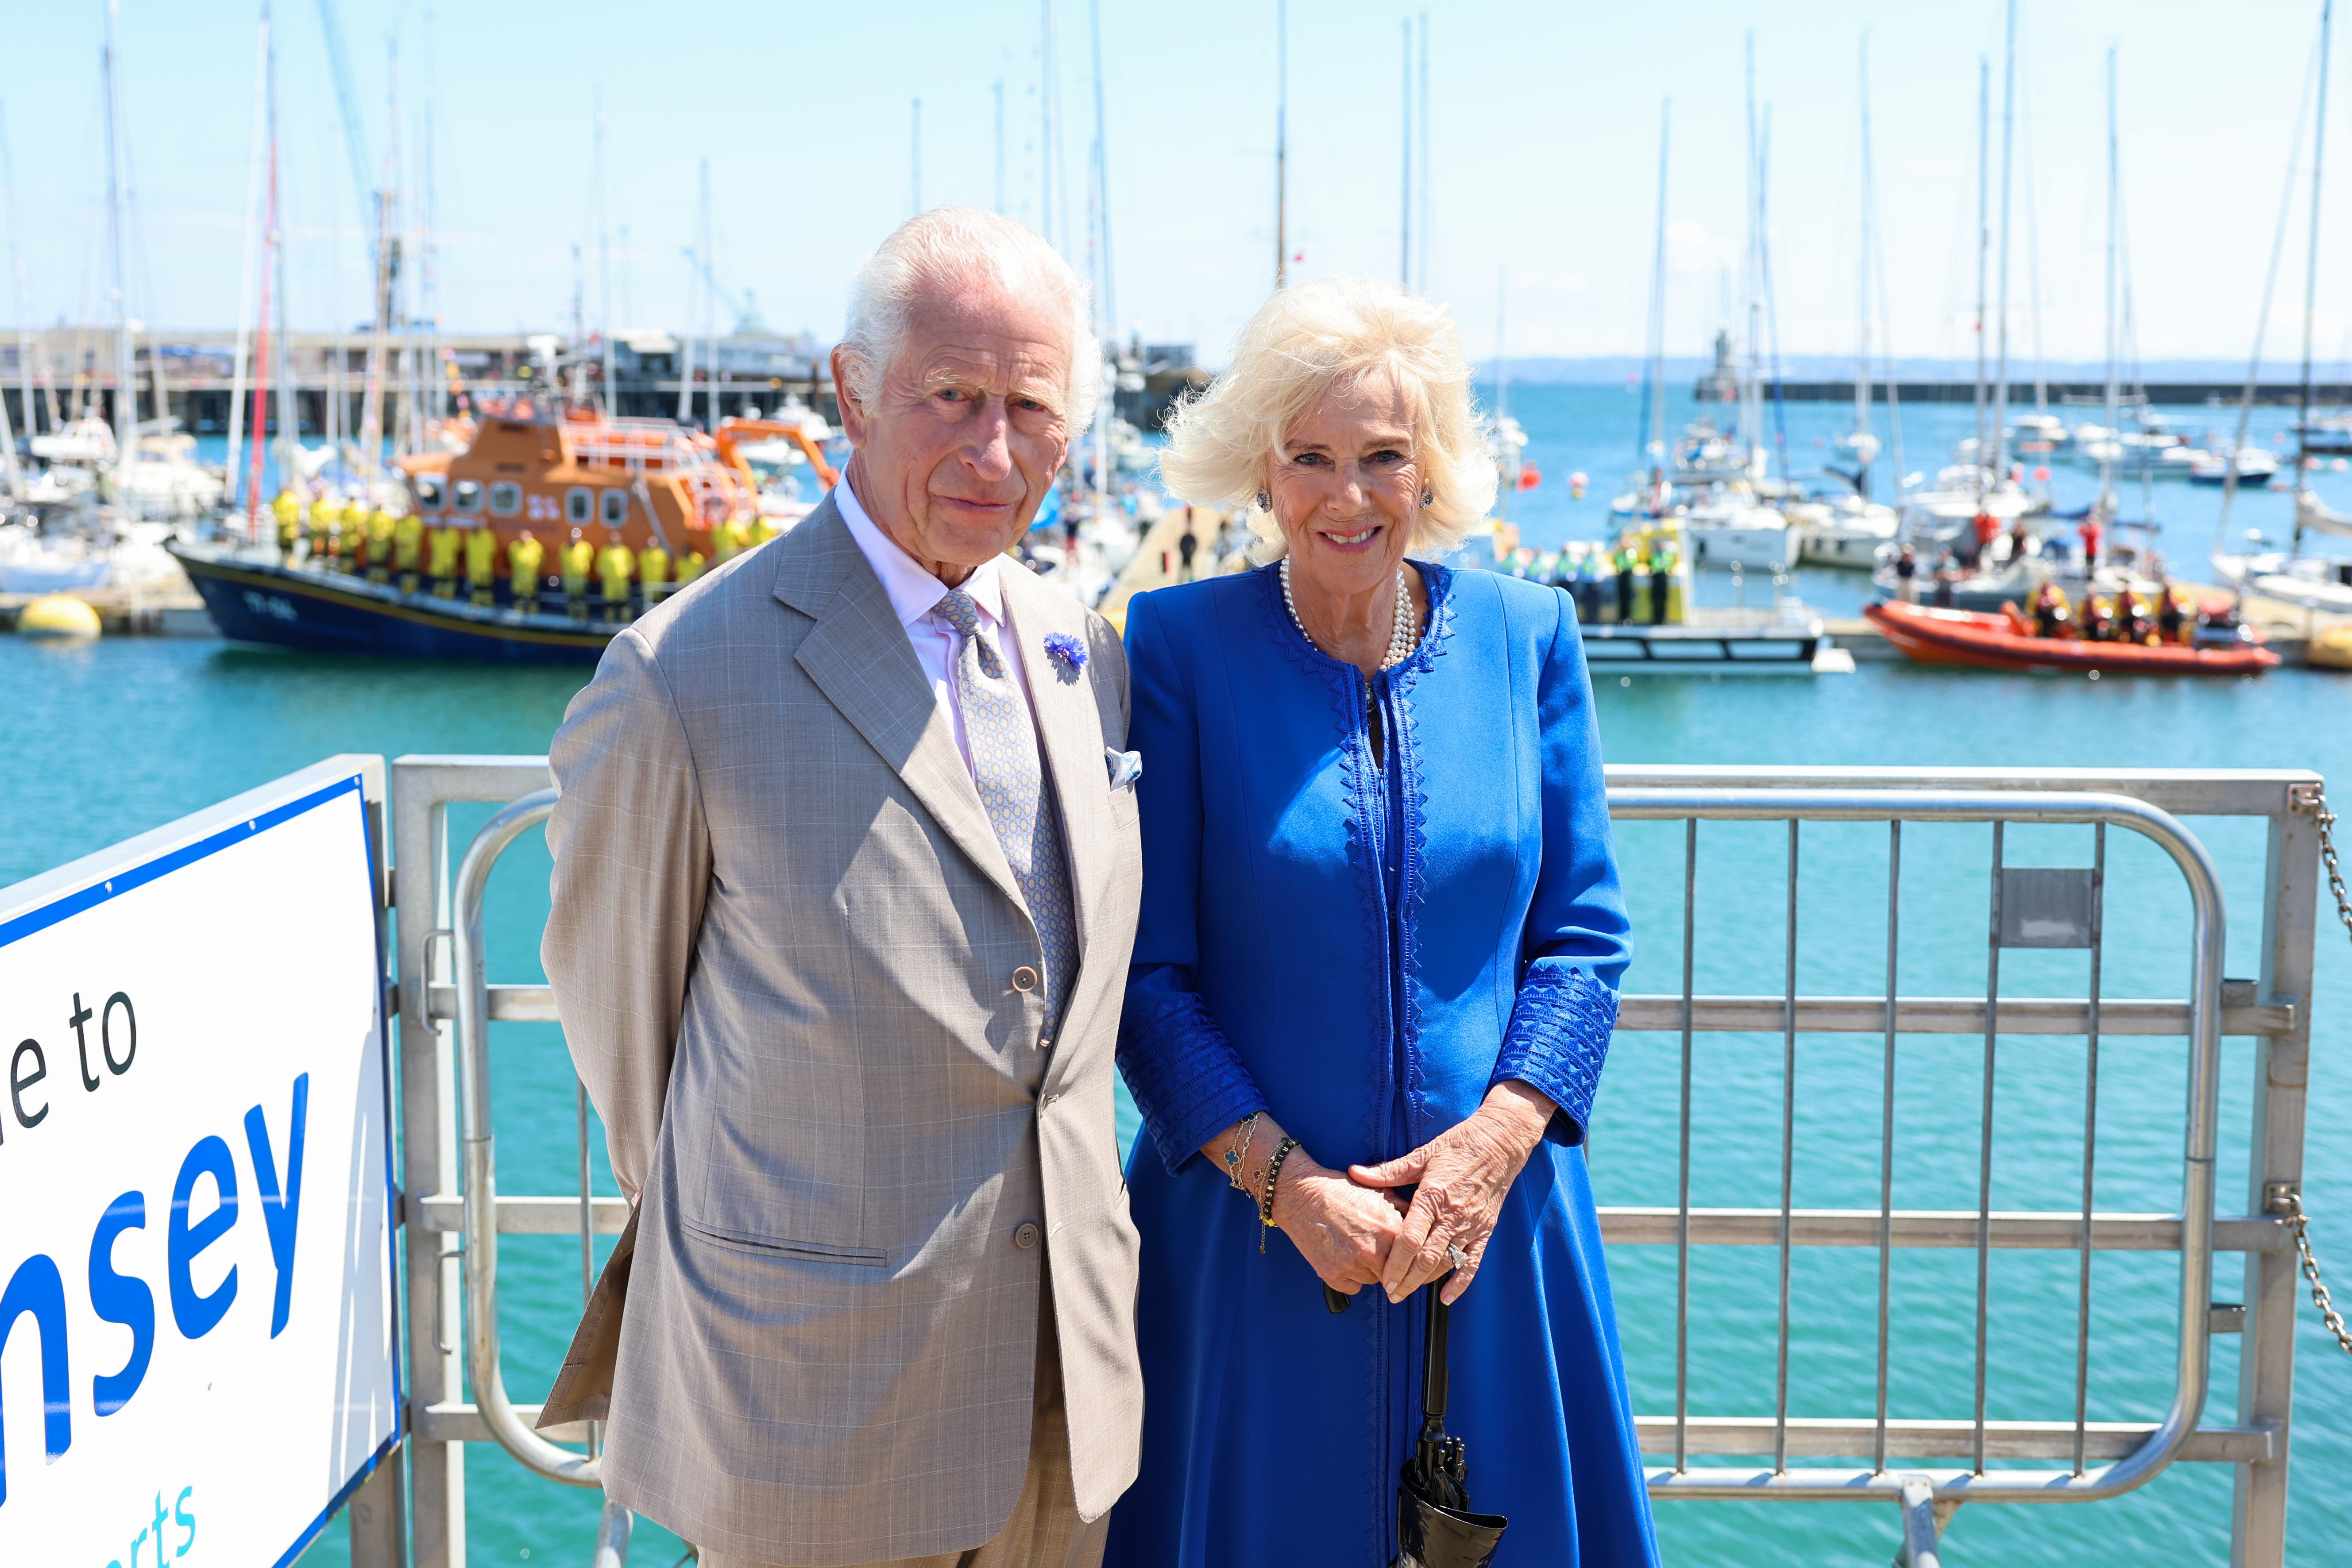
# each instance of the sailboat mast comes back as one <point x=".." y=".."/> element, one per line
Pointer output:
<point x="1657" y="435"/>
<point x="604" y="262"/>
<point x="1503" y="389"/>
<point x="1751" y="390"/>
<point x="1422" y="270"/>
<point x="244" y="278"/>
<point x="17" y="273"/>
<point x="2008" y="127"/>
<point x="1281" y="142"/>
<point x="1862" y="397"/>
<point x="2311" y="273"/>
<point x="2106" y="504"/>
<point x="1984" y="247"/>
<point x="710" y="307"/>
<point x="1404" y="227"/>
<point x="1105" y="304"/>
<point x="126" y="374"/>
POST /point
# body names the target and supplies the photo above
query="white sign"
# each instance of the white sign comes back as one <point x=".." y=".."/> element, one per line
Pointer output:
<point x="197" y="1355"/>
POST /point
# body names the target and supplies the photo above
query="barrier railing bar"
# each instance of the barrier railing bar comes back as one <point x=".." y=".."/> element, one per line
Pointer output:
<point x="1787" y="1169"/>
<point x="1886" y="1132"/>
<point x="1733" y="1014"/>
<point x="1984" y="1139"/>
<point x="480" y="1153"/>
<point x="1819" y="1437"/>
<point x="1682" y="1197"/>
<point x="2090" y="1142"/>
<point x="2050" y="1230"/>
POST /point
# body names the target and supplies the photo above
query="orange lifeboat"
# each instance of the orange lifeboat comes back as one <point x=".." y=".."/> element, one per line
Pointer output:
<point x="1968" y="637"/>
<point x="654" y="481"/>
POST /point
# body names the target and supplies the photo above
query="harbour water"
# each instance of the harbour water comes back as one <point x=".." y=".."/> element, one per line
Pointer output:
<point x="101" y="741"/>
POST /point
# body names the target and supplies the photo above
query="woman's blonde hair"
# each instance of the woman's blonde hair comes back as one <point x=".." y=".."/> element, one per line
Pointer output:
<point x="1301" y="344"/>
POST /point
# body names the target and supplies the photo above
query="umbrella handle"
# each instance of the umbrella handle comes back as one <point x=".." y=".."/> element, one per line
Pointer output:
<point x="1334" y="1302"/>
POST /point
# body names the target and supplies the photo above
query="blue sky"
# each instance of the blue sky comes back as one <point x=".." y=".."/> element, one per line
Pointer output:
<point x="1544" y="133"/>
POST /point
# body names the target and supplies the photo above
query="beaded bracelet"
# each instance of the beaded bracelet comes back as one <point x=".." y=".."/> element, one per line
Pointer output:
<point x="1273" y="1173"/>
<point x="1239" y="1151"/>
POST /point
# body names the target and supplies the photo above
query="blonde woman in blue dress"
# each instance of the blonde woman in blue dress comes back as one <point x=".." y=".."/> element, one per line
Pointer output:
<point x="1379" y="955"/>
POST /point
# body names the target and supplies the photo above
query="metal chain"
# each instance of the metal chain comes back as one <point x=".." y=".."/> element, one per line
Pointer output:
<point x="2292" y="1203"/>
<point x="2289" y="1200"/>
<point x="2326" y="820"/>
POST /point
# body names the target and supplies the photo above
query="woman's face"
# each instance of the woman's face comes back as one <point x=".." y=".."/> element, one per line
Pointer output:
<point x="1347" y="486"/>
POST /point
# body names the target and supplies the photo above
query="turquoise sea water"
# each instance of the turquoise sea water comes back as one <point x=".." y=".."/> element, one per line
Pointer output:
<point x="99" y="742"/>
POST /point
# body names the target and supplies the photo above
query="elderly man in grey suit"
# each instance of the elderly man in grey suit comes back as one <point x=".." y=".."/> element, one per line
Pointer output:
<point x="845" y="881"/>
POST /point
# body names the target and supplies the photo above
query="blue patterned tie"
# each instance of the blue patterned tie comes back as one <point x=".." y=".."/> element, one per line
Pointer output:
<point x="1006" y="766"/>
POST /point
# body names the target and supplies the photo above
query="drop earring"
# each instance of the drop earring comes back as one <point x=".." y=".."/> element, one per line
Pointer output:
<point x="1264" y="502"/>
<point x="1424" y="499"/>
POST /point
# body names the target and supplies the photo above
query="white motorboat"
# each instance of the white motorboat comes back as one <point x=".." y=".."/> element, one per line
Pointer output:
<point x="1847" y="532"/>
<point x="2256" y="466"/>
<point x="1732" y="531"/>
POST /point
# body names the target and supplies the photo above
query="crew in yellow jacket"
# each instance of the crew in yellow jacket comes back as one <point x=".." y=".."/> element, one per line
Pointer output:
<point x="288" y="512"/>
<point x="616" y="563"/>
<point x="579" y="564"/>
<point x="441" y="560"/>
<point x="653" y="571"/>
<point x="382" y="527"/>
<point x="407" y="545"/>
<point x="525" y="560"/>
<point x="726" y="541"/>
<point x="482" y="563"/>
<point x="327" y="532"/>
<point x="691" y="567"/>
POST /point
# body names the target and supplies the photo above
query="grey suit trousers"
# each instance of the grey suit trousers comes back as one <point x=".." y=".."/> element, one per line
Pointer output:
<point x="1044" y="1531"/>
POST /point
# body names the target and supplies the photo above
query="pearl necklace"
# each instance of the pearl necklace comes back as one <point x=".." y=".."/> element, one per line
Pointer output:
<point x="1404" y="636"/>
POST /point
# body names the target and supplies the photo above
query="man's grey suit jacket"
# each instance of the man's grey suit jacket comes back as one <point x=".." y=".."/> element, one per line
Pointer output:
<point x="794" y="972"/>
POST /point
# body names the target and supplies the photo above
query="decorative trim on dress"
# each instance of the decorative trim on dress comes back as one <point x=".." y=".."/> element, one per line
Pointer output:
<point x="1188" y="1082"/>
<point x="1557" y="1040"/>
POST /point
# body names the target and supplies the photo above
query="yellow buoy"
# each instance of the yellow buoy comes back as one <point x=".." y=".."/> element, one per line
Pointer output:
<point x="2330" y="649"/>
<point x="57" y="615"/>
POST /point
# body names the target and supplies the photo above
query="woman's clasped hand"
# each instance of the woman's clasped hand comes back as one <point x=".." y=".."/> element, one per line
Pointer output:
<point x="1399" y="1225"/>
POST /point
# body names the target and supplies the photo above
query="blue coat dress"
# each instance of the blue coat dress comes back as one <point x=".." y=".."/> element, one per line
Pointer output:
<point x="1363" y="947"/>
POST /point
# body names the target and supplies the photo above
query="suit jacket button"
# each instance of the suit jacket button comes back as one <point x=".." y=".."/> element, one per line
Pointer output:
<point x="1025" y="1234"/>
<point x="1024" y="979"/>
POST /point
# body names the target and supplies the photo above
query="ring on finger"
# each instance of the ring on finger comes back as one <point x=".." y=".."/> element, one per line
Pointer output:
<point x="1458" y="1257"/>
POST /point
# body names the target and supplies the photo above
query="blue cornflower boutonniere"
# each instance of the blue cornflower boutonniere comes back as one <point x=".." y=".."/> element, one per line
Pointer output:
<point x="1069" y="653"/>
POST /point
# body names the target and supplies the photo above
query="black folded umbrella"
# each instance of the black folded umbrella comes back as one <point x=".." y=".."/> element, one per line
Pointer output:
<point x="1435" y="1527"/>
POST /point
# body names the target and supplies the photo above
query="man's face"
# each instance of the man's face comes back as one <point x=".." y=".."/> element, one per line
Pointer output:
<point x="967" y="429"/>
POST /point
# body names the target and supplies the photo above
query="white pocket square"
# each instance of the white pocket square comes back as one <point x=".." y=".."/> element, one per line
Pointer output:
<point x="1126" y="767"/>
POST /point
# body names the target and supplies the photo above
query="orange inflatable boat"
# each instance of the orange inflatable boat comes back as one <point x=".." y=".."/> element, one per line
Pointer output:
<point x="1934" y="636"/>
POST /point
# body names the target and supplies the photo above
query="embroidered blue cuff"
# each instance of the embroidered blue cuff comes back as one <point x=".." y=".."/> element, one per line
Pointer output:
<point x="1558" y="1040"/>
<point x="1188" y="1082"/>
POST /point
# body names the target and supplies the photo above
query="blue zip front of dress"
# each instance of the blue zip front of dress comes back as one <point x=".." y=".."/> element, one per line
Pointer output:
<point x="1383" y="814"/>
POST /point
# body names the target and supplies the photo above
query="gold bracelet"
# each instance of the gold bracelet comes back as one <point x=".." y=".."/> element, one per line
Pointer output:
<point x="1239" y="1151"/>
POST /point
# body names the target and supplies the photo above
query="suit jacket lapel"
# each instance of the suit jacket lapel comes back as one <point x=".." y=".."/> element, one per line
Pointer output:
<point x="1071" y="727"/>
<point x="858" y="656"/>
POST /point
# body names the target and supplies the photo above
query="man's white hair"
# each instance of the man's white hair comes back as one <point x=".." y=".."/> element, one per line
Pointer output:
<point x="947" y="247"/>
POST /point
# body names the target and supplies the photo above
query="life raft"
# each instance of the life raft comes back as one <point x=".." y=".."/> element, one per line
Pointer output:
<point x="1933" y="635"/>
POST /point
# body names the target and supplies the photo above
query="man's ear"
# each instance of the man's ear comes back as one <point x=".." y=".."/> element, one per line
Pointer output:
<point x="853" y="413"/>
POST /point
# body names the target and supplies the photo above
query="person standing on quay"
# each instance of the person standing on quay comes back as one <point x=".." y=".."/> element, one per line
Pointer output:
<point x="1381" y="940"/>
<point x="845" y="881"/>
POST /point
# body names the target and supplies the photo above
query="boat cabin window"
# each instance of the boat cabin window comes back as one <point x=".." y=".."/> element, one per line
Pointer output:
<point x="506" y="498"/>
<point x="616" y="508"/>
<point x="467" y="494"/>
<point x="429" y="492"/>
<point x="578" y="505"/>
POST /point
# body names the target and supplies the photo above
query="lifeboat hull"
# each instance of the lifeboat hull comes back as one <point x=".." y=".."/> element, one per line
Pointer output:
<point x="1968" y="638"/>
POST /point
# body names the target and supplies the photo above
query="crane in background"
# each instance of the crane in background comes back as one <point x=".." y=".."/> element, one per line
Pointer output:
<point x="747" y="312"/>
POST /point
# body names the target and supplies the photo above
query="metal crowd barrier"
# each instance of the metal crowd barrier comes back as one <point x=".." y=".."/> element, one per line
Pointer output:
<point x="450" y="1228"/>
